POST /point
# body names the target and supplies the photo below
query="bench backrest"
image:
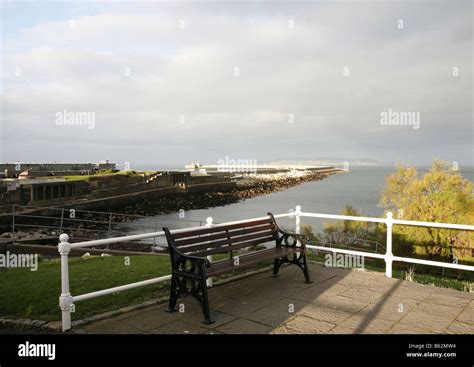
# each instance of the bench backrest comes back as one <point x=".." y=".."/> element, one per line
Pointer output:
<point x="222" y="238"/>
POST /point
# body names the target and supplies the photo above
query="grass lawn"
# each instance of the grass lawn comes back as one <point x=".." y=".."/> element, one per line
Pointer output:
<point x="109" y="173"/>
<point x="35" y="294"/>
<point x="76" y="178"/>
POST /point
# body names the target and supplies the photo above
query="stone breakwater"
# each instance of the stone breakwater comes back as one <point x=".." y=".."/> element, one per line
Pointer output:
<point x="268" y="183"/>
<point x="246" y="188"/>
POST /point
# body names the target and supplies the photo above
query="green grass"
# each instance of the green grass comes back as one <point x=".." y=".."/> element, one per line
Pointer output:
<point x="34" y="294"/>
<point x="439" y="281"/>
<point x="76" y="178"/>
<point x="102" y="173"/>
<point x="111" y="172"/>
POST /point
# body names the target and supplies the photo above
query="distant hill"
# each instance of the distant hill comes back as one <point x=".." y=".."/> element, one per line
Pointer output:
<point x="329" y="161"/>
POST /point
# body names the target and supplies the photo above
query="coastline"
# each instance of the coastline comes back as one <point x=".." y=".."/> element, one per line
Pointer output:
<point x="247" y="188"/>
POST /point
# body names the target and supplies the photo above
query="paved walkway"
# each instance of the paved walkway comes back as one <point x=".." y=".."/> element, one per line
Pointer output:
<point x="339" y="301"/>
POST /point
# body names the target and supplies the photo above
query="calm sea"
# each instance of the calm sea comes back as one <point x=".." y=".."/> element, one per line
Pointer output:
<point x="361" y="188"/>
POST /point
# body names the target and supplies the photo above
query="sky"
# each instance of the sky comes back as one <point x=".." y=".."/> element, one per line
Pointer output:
<point x="174" y="82"/>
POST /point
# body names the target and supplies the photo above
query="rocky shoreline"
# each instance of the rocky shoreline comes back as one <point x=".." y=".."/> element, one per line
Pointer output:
<point x="246" y="188"/>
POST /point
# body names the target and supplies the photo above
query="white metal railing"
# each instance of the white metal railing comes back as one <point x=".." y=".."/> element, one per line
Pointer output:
<point x="66" y="300"/>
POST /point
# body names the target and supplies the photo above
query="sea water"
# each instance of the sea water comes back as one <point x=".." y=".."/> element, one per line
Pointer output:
<point x="361" y="188"/>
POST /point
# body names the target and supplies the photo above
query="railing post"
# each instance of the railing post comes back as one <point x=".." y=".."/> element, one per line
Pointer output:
<point x="62" y="221"/>
<point x="65" y="300"/>
<point x="109" y="228"/>
<point x="13" y="223"/>
<point x="209" y="281"/>
<point x="154" y="238"/>
<point x="110" y="224"/>
<point x="388" y="253"/>
<point x="298" y="219"/>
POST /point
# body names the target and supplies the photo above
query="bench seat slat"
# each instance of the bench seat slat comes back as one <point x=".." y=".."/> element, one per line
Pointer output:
<point x="223" y="234"/>
<point x="238" y="246"/>
<point x="218" y="228"/>
<point x="224" y="266"/>
<point x="225" y="245"/>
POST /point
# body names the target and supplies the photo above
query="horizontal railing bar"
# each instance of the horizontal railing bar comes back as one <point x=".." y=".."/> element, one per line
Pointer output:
<point x="35" y="216"/>
<point x="65" y="219"/>
<point x="148" y="223"/>
<point x="24" y="207"/>
<point x="151" y="218"/>
<point x="115" y="228"/>
<point x="433" y="263"/>
<point x="115" y="215"/>
<point x="106" y="213"/>
<point x="108" y="241"/>
<point x="396" y="258"/>
<point x="121" y="288"/>
<point x="134" y="224"/>
<point x="117" y="224"/>
<point x="347" y="247"/>
<point x="343" y="217"/>
<point x="395" y="221"/>
<point x="350" y="252"/>
<point x="80" y="211"/>
<point x="64" y="228"/>
<point x="35" y="225"/>
<point x="433" y="224"/>
<point x="284" y="215"/>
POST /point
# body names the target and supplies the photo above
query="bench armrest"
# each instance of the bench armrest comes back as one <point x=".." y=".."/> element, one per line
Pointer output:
<point x="192" y="258"/>
<point x="198" y="259"/>
<point x="301" y="238"/>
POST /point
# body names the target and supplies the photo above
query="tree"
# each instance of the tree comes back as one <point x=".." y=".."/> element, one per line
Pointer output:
<point x="440" y="195"/>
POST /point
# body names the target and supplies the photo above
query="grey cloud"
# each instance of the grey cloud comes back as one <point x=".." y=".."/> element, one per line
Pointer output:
<point x="282" y="72"/>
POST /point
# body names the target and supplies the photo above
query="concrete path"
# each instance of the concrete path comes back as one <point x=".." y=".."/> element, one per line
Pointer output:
<point x="339" y="301"/>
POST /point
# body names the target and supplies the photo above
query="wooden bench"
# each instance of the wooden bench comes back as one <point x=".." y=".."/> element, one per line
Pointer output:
<point x="189" y="249"/>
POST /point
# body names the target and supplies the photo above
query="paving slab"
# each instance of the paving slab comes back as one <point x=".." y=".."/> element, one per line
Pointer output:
<point x="301" y="324"/>
<point x="339" y="301"/>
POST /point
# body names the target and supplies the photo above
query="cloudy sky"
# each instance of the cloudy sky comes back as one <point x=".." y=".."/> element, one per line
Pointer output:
<point x="168" y="83"/>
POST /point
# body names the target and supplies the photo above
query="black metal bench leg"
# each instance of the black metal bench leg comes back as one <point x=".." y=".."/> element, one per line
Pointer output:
<point x="276" y="267"/>
<point x="205" y="306"/>
<point x="205" y="300"/>
<point x="305" y="270"/>
<point x="174" y="294"/>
